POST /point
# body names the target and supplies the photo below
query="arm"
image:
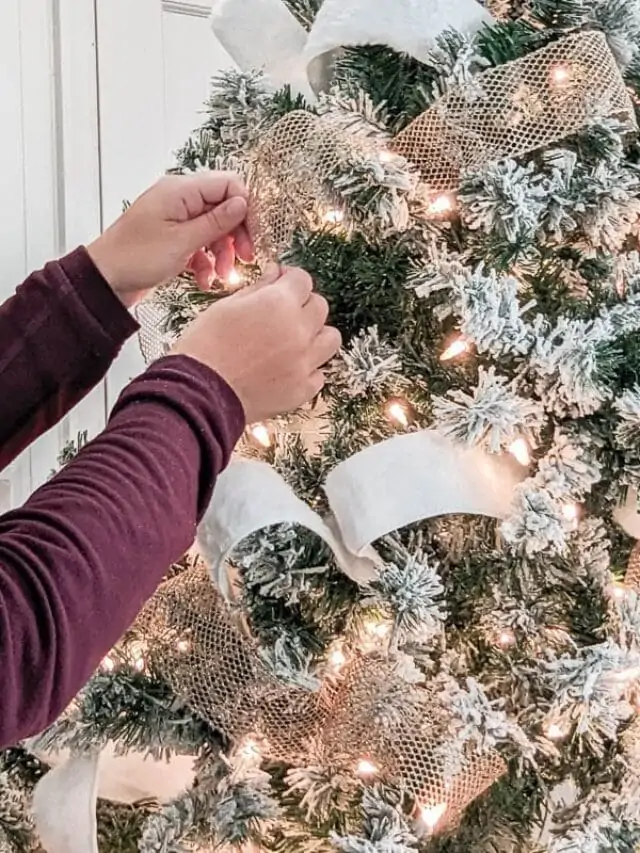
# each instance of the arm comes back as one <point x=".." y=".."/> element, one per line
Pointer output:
<point x="59" y="334"/>
<point x="78" y="562"/>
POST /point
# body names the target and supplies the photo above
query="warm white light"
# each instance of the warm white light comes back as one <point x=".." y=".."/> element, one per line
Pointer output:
<point x="519" y="449"/>
<point x="506" y="638"/>
<point x="108" y="664"/>
<point x="397" y="412"/>
<point x="386" y="156"/>
<point x="432" y="815"/>
<point x="560" y="75"/>
<point x="137" y="651"/>
<point x="619" y="591"/>
<point x="441" y="204"/>
<point x="261" y="434"/>
<point x="337" y="659"/>
<point x="183" y="645"/>
<point x="366" y="768"/>
<point x="234" y="278"/>
<point x="455" y="348"/>
<point x="334" y="217"/>
<point x="554" y="731"/>
<point x="250" y="749"/>
<point x="377" y="628"/>
<point x="571" y="514"/>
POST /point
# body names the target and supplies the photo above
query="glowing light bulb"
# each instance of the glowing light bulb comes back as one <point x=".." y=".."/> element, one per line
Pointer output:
<point x="333" y="217"/>
<point x="137" y="651"/>
<point x="441" y="204"/>
<point x="337" y="659"/>
<point x="397" y="412"/>
<point x="506" y="638"/>
<point x="386" y="156"/>
<point x="571" y="514"/>
<point x="561" y="75"/>
<point x="183" y="645"/>
<point x="455" y="348"/>
<point x="555" y="731"/>
<point x="250" y="749"/>
<point x="234" y="278"/>
<point x="519" y="449"/>
<point x="366" y="768"/>
<point x="619" y="591"/>
<point x="108" y="664"/>
<point x="432" y="815"/>
<point x="261" y="434"/>
<point x="377" y="627"/>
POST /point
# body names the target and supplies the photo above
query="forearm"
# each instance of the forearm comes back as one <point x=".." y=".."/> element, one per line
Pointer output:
<point x="58" y="337"/>
<point x="78" y="562"/>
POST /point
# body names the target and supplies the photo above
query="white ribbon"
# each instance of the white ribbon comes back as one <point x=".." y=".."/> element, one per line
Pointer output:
<point x="64" y="801"/>
<point x="264" y="35"/>
<point x="381" y="489"/>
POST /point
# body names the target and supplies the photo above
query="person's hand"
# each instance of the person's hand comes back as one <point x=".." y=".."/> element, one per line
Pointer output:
<point x="269" y="342"/>
<point x="192" y="222"/>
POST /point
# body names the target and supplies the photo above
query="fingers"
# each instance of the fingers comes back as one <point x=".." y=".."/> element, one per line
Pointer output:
<point x="298" y="284"/>
<point x="315" y="313"/>
<point x="224" y="253"/>
<point x="216" y="223"/>
<point x="315" y="385"/>
<point x="202" y="265"/>
<point x="325" y="346"/>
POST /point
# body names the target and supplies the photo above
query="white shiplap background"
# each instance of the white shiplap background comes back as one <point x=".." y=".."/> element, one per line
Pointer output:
<point x="94" y="97"/>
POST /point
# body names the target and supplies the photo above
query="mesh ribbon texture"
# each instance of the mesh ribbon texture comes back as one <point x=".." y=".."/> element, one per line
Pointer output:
<point x="369" y="713"/>
<point x="516" y="109"/>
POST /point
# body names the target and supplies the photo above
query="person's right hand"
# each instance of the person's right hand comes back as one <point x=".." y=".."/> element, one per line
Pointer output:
<point x="269" y="342"/>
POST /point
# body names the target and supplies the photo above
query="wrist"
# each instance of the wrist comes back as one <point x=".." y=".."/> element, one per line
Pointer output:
<point x="105" y="259"/>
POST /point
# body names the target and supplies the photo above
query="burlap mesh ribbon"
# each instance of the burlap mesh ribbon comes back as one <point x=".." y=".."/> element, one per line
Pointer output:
<point x="505" y="112"/>
<point x="213" y="664"/>
<point x="369" y="713"/>
<point x="517" y="108"/>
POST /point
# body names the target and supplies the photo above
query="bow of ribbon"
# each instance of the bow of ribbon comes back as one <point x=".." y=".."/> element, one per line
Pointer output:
<point x="264" y="35"/>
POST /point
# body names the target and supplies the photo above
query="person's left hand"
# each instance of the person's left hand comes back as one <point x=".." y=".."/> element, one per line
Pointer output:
<point x="194" y="222"/>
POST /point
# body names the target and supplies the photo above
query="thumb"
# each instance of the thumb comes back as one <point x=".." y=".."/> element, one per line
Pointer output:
<point x="216" y="223"/>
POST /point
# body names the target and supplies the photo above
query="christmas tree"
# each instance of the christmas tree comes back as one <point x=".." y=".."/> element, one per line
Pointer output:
<point x="435" y="646"/>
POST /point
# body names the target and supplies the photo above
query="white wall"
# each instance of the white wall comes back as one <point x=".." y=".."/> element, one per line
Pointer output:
<point x="94" y="96"/>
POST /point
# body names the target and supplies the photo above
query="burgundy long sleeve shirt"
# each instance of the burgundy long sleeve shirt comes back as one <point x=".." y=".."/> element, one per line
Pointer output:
<point x="79" y="560"/>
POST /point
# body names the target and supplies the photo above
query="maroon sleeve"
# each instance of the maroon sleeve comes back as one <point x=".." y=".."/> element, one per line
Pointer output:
<point x="90" y="547"/>
<point x="58" y="336"/>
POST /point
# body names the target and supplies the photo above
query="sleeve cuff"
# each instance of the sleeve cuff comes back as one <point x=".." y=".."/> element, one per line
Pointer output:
<point x="98" y="297"/>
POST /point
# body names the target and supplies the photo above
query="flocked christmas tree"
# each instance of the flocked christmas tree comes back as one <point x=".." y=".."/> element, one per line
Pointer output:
<point x="472" y="681"/>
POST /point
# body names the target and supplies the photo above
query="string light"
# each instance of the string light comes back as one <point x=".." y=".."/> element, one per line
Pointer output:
<point x="250" y="749"/>
<point x="377" y="628"/>
<point x="234" y="279"/>
<point x="337" y="659"/>
<point x="260" y="432"/>
<point x="333" y="217"/>
<point x="137" y="651"/>
<point x="457" y="347"/>
<point x="506" y="638"/>
<point x="571" y="514"/>
<point x="441" y="205"/>
<point x="183" y="645"/>
<point x="397" y="411"/>
<point x="385" y="156"/>
<point x="519" y="449"/>
<point x="108" y="664"/>
<point x="432" y="815"/>
<point x="619" y="591"/>
<point x="366" y="768"/>
<point x="555" y="731"/>
<point x="561" y="75"/>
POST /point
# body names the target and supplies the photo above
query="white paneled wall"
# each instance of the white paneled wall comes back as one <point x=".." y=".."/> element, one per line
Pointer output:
<point x="94" y="97"/>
